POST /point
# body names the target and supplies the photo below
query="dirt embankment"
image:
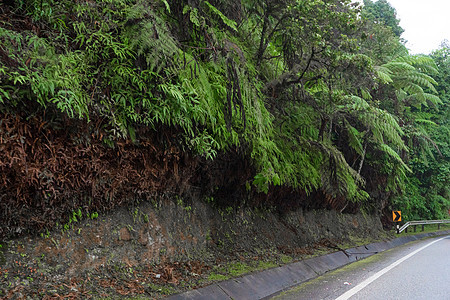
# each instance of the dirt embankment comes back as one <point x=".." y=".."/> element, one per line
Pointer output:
<point x="166" y="245"/>
<point x="204" y="224"/>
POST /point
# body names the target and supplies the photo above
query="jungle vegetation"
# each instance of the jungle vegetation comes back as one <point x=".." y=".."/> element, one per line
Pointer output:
<point x="314" y="95"/>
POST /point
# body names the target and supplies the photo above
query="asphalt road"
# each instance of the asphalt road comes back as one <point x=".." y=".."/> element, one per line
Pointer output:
<point x="418" y="270"/>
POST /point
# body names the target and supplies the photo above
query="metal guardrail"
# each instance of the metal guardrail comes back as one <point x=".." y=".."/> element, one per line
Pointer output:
<point x="423" y="223"/>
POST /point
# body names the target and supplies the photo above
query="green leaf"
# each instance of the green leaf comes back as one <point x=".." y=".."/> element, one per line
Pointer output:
<point x="354" y="138"/>
<point x="387" y="149"/>
<point x="426" y="122"/>
<point x="167" y="5"/>
<point x="5" y="95"/>
<point x="231" y="23"/>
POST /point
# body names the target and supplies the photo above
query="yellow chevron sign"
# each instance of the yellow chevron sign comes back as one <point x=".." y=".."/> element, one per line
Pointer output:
<point x="396" y="215"/>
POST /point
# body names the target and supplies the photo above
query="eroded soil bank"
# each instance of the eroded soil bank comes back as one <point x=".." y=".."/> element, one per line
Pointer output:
<point x="166" y="246"/>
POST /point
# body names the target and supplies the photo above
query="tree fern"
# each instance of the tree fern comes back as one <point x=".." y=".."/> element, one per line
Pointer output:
<point x="406" y="73"/>
<point x="381" y="124"/>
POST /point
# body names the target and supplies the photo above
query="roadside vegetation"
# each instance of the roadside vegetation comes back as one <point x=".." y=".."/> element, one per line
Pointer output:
<point x="255" y="106"/>
<point x="314" y="98"/>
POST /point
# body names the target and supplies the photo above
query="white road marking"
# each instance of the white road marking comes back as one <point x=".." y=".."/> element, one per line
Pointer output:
<point x="374" y="277"/>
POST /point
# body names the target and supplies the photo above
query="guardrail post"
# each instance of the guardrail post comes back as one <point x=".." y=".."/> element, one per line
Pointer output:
<point x="423" y="227"/>
<point x="439" y="226"/>
<point x="406" y="230"/>
<point x="415" y="228"/>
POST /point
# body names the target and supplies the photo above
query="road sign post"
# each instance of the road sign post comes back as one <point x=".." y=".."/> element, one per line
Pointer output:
<point x="397" y="217"/>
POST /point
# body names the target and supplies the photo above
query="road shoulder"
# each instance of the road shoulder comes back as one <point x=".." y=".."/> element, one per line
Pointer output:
<point x="273" y="281"/>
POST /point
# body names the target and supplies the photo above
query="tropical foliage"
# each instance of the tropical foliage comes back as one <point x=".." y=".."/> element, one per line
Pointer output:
<point x="317" y="95"/>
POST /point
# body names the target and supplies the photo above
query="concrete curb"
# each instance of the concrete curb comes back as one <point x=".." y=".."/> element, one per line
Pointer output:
<point x="268" y="282"/>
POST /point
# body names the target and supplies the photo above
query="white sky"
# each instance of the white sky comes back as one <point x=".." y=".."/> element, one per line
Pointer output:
<point x="426" y="23"/>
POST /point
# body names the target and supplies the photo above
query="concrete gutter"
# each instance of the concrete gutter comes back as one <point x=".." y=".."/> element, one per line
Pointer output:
<point x="268" y="282"/>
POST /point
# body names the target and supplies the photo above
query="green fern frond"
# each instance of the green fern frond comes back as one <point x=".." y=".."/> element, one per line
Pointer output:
<point x="409" y="59"/>
<point x="383" y="73"/>
<point x="398" y="67"/>
<point x="433" y="98"/>
<point x="424" y="63"/>
<point x="422" y="80"/>
<point x="152" y="40"/>
<point x="338" y="177"/>
<point x="412" y="88"/>
<point x="388" y="125"/>
<point x="408" y="77"/>
<point x="401" y="95"/>
<point x="167" y="5"/>
<point x="381" y="124"/>
<point x="388" y="150"/>
<point x="354" y="138"/>
<point x="365" y="94"/>
<point x="230" y="23"/>
<point x="357" y="103"/>
<point x="425" y="122"/>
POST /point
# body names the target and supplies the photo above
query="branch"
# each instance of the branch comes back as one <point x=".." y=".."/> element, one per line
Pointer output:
<point x="304" y="70"/>
<point x="362" y="159"/>
<point x="434" y="144"/>
<point x="264" y="42"/>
